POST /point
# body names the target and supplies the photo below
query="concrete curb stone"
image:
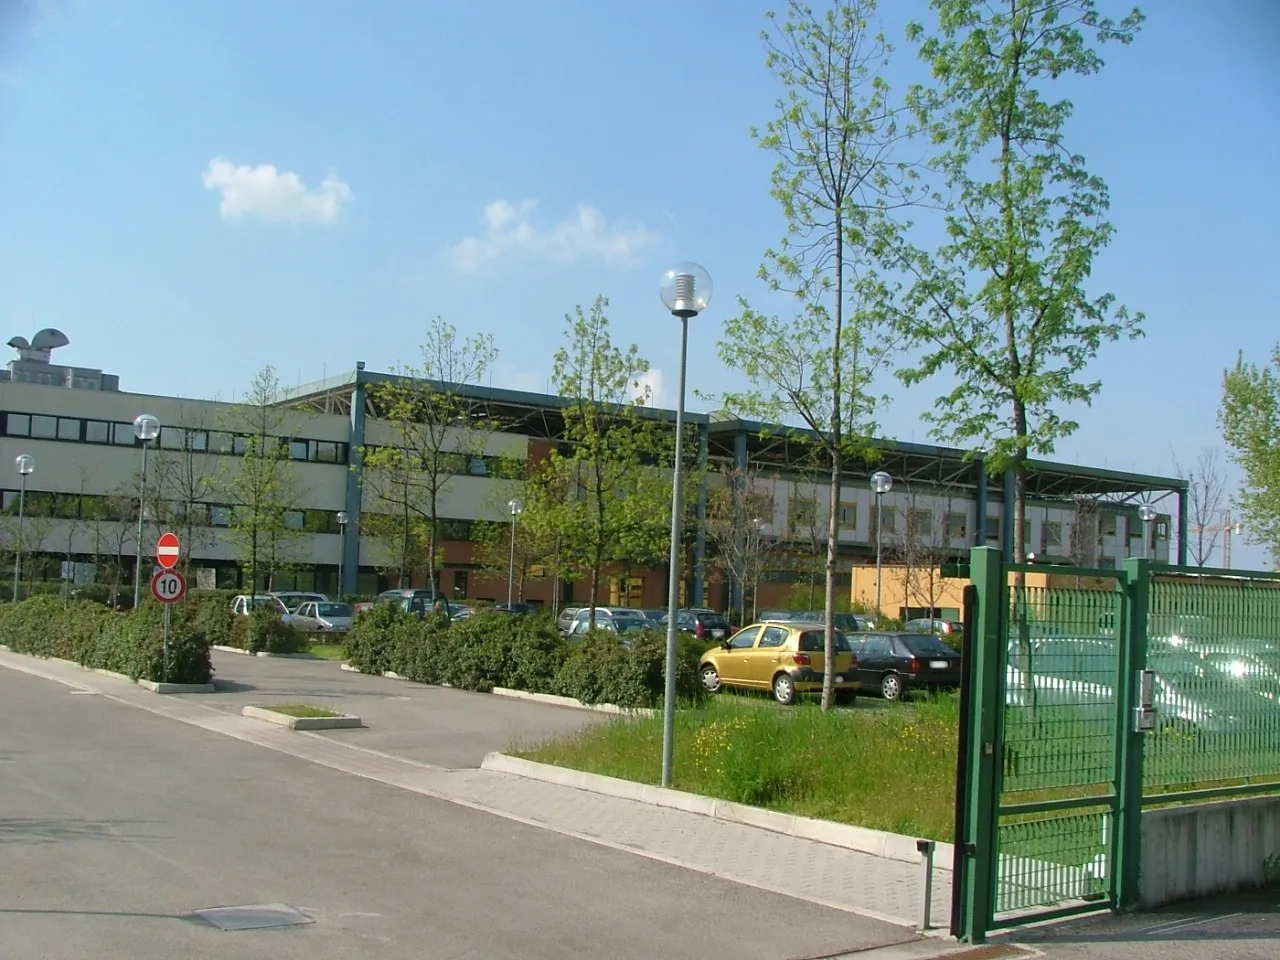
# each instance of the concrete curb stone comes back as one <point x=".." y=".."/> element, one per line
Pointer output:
<point x="279" y="656"/>
<point x="877" y="843"/>
<point x="559" y="701"/>
<point x="343" y="722"/>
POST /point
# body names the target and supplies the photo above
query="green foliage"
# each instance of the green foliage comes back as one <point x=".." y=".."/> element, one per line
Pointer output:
<point x="1250" y="419"/>
<point x="264" y="631"/>
<point x="499" y="650"/>
<point x="94" y="636"/>
<point x="210" y="611"/>
<point x="600" y="669"/>
<point x="886" y="769"/>
<point x="1001" y="306"/>
<point x="389" y="639"/>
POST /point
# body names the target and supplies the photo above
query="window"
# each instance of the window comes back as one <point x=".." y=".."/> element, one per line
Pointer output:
<point x="1050" y="536"/>
<point x="957" y="526"/>
<point x="773" y="637"/>
<point x="44" y="427"/>
<point x="920" y="523"/>
<point x="17" y="424"/>
<point x="122" y="434"/>
<point x="744" y="639"/>
<point x="888" y="519"/>
<point x="220" y="442"/>
<point x="874" y="648"/>
<point x="239" y="445"/>
<point x="804" y="514"/>
<point x="320" y="521"/>
<point x="478" y="467"/>
<point x="849" y="516"/>
<point x="460" y="584"/>
<point x="326" y="451"/>
<point x="993" y="529"/>
<point x="219" y="516"/>
<point x="198" y="440"/>
<point x="1162" y="529"/>
<point x="172" y="438"/>
<point x="1107" y="525"/>
<point x="96" y="431"/>
<point x="293" y="519"/>
<point x="68" y="429"/>
<point x="298" y="449"/>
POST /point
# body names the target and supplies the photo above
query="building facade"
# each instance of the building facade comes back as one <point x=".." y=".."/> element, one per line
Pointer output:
<point x="82" y="499"/>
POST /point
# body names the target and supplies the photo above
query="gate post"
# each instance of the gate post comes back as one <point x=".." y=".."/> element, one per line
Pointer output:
<point x="976" y="848"/>
<point x="1131" y="649"/>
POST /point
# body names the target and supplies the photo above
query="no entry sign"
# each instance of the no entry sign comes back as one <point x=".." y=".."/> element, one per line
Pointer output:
<point x="168" y="586"/>
<point x="168" y="548"/>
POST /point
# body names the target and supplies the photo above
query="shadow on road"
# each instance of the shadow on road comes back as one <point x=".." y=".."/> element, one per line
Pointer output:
<point x="35" y="830"/>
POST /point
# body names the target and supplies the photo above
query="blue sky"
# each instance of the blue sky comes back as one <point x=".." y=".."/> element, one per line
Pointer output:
<point x="191" y="190"/>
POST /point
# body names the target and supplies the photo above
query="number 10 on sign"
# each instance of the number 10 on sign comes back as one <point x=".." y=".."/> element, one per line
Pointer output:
<point x="168" y="586"/>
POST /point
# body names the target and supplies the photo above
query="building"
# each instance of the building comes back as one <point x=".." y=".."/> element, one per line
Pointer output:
<point x="81" y="498"/>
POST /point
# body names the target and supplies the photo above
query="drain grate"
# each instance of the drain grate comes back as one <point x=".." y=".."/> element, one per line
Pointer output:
<point x="258" y="916"/>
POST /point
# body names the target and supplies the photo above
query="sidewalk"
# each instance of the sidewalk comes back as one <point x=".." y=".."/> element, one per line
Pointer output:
<point x="814" y="872"/>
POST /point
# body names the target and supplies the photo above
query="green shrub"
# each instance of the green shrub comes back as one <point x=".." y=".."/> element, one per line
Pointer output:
<point x="500" y="650"/>
<point x="264" y="631"/>
<point x="210" y="613"/>
<point x="368" y="641"/>
<point x="94" y="636"/>
<point x="601" y="669"/>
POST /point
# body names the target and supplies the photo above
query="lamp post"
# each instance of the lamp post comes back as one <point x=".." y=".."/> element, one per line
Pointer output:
<point x="146" y="428"/>
<point x="881" y="483"/>
<point x="342" y="546"/>
<point x="516" y="507"/>
<point x="26" y="465"/>
<point x="1147" y="513"/>
<point x="685" y="291"/>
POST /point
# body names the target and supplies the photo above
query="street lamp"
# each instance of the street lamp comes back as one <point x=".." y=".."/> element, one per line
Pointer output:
<point x="881" y="483"/>
<point x="1146" y="513"/>
<point x="342" y="546"/>
<point x="685" y="291"/>
<point x="146" y="428"/>
<point x="26" y="465"/>
<point x="516" y="507"/>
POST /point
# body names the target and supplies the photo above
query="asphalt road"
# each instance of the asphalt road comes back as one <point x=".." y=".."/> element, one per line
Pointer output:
<point x="448" y="728"/>
<point x="116" y="825"/>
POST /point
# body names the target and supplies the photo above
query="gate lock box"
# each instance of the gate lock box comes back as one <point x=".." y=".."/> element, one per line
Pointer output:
<point x="1144" y="714"/>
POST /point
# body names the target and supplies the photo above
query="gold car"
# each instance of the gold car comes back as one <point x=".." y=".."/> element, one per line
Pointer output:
<point x="785" y="657"/>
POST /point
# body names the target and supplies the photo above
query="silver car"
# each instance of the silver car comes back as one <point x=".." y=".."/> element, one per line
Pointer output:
<point x="323" y="616"/>
<point x="616" y="619"/>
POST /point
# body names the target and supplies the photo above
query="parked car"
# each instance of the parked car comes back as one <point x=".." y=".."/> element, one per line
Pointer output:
<point x="784" y="657"/>
<point x="462" y="612"/>
<point x="420" y="601"/>
<point x="653" y="614"/>
<point x="564" y="621"/>
<point x="362" y="606"/>
<point x="701" y="623"/>
<point x="939" y="628"/>
<point x="292" y="599"/>
<point x="245" y="604"/>
<point x="893" y="664"/>
<point x="617" y="619"/>
<point x="844" y="622"/>
<point x="324" y="616"/>
<point x="524" y="609"/>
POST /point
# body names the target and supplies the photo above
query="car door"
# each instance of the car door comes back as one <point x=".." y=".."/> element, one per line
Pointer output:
<point x="875" y="657"/>
<point x="764" y="658"/>
<point x="304" y="618"/>
<point x="733" y="663"/>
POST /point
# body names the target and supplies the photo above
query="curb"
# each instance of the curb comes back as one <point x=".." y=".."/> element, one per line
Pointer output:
<point x="877" y="843"/>
<point x="342" y="722"/>
<point x="557" y="701"/>
<point x="152" y="685"/>
<point x="260" y="653"/>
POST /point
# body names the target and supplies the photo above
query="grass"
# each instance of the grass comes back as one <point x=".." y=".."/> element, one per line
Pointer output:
<point x="327" y="651"/>
<point x="301" y="710"/>
<point x="884" y="768"/>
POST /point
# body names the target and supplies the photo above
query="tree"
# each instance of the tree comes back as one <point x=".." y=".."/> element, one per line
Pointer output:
<point x="737" y="514"/>
<point x="1085" y="542"/>
<point x="607" y="501"/>
<point x="1001" y="305"/>
<point x="435" y="433"/>
<point x="920" y="548"/>
<point x="259" y="484"/>
<point x="185" y="481"/>
<point x="1250" y="420"/>
<point x="838" y="185"/>
<point x="1206" y="487"/>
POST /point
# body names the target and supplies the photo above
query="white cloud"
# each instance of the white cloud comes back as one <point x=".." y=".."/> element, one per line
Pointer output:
<point x="588" y="235"/>
<point x="651" y="381"/>
<point x="273" y="195"/>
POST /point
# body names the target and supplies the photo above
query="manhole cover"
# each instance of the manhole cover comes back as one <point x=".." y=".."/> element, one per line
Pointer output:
<point x="258" y="916"/>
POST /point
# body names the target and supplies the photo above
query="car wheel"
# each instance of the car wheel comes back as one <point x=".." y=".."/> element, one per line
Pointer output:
<point x="710" y="679"/>
<point x="891" y="687"/>
<point x="784" y="689"/>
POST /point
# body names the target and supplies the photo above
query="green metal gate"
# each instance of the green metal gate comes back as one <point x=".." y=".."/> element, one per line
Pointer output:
<point x="1049" y="793"/>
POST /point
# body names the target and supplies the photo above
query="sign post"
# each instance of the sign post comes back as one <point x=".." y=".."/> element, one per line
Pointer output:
<point x="168" y="586"/>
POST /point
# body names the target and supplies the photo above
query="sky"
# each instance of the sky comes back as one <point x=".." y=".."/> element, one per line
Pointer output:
<point x="192" y="190"/>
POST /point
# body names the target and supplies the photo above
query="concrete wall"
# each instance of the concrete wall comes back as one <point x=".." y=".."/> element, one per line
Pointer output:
<point x="1208" y="848"/>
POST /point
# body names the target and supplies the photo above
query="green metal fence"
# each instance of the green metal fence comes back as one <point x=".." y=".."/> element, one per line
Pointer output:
<point x="1214" y="646"/>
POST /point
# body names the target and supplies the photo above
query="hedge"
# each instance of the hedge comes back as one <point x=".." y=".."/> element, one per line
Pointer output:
<point x="94" y="636"/>
<point x="522" y="653"/>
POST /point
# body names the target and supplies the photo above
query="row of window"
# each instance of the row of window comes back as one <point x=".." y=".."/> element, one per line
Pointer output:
<point x="463" y="464"/>
<point x="115" y="433"/>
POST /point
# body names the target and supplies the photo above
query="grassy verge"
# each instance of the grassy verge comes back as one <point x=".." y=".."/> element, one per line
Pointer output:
<point x="887" y="769"/>
<point x="327" y="651"/>
<point x="300" y="710"/>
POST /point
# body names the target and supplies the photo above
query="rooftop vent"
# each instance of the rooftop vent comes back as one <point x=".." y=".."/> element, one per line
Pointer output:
<point x="41" y="346"/>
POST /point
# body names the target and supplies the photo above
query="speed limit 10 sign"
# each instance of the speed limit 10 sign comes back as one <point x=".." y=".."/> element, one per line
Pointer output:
<point x="168" y="586"/>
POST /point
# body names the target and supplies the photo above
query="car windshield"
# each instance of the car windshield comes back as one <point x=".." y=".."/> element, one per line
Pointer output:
<point x="927" y="646"/>
<point x="714" y="621"/>
<point x="333" y="609"/>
